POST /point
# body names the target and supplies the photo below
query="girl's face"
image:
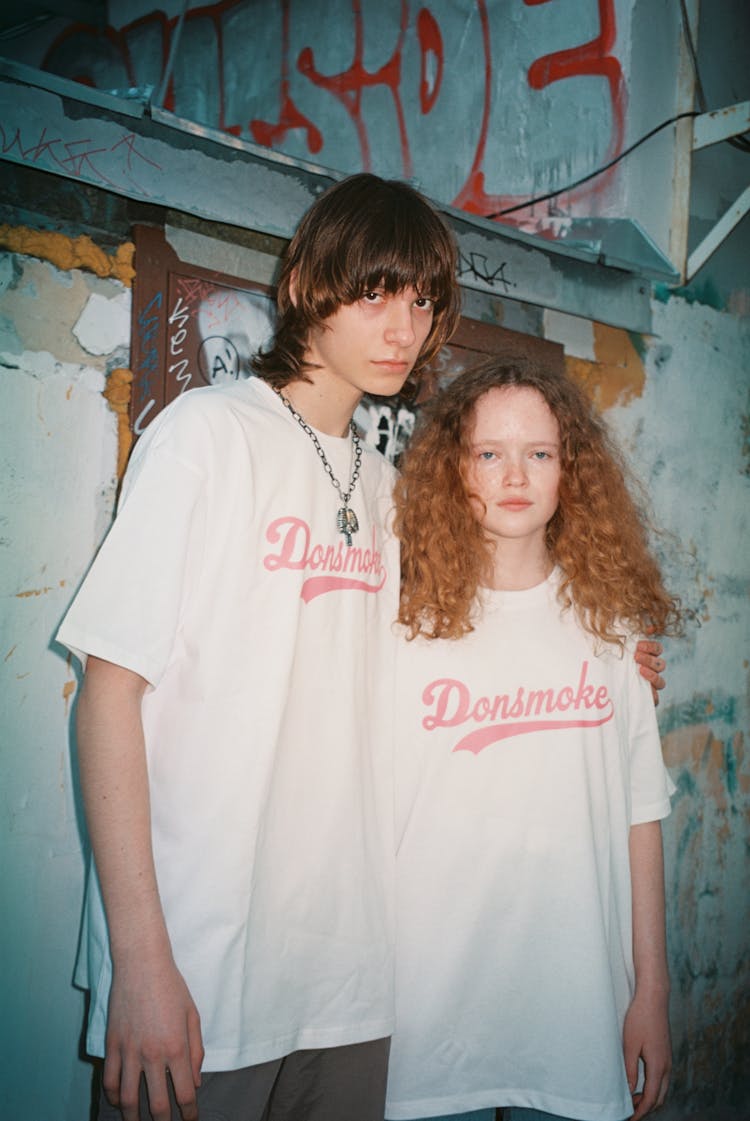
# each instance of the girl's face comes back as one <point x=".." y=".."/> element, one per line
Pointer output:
<point x="513" y="468"/>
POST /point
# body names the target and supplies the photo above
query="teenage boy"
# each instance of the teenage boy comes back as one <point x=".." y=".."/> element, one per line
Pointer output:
<point x="233" y="732"/>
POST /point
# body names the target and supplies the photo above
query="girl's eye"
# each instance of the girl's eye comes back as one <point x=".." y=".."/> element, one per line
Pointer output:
<point x="486" y="456"/>
<point x="541" y="455"/>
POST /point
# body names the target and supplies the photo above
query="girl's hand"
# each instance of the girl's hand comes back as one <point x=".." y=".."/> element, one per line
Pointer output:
<point x="646" y="1036"/>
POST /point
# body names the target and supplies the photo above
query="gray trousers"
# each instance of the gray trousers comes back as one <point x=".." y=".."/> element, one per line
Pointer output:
<point x="331" y="1084"/>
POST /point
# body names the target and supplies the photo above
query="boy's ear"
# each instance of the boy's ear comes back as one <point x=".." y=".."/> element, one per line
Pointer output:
<point x="293" y="287"/>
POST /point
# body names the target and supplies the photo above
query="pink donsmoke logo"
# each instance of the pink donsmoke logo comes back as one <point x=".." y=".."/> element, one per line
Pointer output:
<point x="338" y="567"/>
<point x="507" y="715"/>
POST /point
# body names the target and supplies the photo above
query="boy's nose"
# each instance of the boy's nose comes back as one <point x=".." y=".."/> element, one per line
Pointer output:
<point x="400" y="328"/>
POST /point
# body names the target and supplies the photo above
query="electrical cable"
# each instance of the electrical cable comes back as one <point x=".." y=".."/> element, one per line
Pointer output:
<point x="742" y="143"/>
<point x="593" y="174"/>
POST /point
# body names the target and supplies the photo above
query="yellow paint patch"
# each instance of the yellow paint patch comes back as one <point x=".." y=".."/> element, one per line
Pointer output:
<point x="37" y="592"/>
<point x="117" y="394"/>
<point x="70" y="252"/>
<point x="69" y="689"/>
<point x="616" y="376"/>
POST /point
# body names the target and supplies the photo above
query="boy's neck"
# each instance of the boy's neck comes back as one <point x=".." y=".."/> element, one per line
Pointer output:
<point x="325" y="409"/>
<point x="519" y="565"/>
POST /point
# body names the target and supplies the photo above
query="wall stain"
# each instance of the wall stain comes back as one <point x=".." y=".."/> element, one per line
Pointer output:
<point x="707" y="912"/>
<point x="38" y="592"/>
<point x="616" y="375"/>
<point x="745" y="430"/>
<point x="68" y="690"/>
<point x="68" y="253"/>
<point x="117" y="394"/>
<point x="702" y="708"/>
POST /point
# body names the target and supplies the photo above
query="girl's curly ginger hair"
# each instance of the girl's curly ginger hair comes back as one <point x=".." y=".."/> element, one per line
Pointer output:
<point x="598" y="536"/>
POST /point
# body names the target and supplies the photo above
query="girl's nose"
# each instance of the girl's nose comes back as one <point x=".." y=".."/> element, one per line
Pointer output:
<point x="515" y="471"/>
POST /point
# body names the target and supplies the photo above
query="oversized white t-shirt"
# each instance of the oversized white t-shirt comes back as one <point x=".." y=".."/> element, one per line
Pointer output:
<point x="524" y="754"/>
<point x="267" y="643"/>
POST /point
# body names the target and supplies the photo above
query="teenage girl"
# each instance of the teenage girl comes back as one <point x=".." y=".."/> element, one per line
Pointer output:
<point x="531" y="963"/>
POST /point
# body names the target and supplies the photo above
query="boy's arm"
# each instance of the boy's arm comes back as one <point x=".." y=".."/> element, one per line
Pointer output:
<point x="153" y="1024"/>
<point x="646" y="1030"/>
<point x="651" y="664"/>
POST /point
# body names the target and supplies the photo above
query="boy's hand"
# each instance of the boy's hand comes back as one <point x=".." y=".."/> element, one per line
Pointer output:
<point x="154" y="1029"/>
<point x="650" y="664"/>
<point x="646" y="1036"/>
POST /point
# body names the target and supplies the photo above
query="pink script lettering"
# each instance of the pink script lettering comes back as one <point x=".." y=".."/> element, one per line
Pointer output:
<point x="338" y="567"/>
<point x="513" y="714"/>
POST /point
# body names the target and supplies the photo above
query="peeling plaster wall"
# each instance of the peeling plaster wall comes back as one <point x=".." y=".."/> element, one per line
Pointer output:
<point x="678" y="400"/>
<point x="680" y="403"/>
<point x="689" y="433"/>
<point x="60" y="332"/>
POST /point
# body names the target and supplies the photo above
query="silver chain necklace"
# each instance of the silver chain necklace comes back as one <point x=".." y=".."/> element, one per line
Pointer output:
<point x="346" y="519"/>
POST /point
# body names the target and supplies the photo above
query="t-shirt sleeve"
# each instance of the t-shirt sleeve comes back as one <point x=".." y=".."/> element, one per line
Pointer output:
<point x="650" y="784"/>
<point x="128" y="608"/>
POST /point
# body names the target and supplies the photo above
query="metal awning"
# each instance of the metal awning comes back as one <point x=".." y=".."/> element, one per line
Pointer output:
<point x="596" y="268"/>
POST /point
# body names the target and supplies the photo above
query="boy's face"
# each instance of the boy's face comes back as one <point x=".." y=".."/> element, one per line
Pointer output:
<point x="370" y="346"/>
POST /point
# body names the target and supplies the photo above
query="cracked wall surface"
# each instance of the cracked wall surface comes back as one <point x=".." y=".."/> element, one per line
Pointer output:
<point x="58" y="459"/>
<point x="678" y="400"/>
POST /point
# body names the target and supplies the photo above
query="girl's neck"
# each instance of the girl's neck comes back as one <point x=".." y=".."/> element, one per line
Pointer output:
<point x="519" y="565"/>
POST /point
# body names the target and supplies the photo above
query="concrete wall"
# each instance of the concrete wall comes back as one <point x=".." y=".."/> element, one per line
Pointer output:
<point x="680" y="403"/>
<point x="679" y="400"/>
<point x="61" y="331"/>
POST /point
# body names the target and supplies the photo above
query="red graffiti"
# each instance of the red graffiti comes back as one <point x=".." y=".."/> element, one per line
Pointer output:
<point x="290" y="116"/>
<point x="590" y="58"/>
<point x="348" y="86"/>
<point x="138" y="54"/>
<point x="430" y="47"/>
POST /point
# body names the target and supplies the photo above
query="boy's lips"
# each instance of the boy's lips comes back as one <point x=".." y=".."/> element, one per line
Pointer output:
<point x="393" y="365"/>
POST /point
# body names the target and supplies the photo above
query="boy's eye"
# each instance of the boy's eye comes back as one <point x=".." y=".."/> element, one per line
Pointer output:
<point x="424" y="302"/>
<point x="371" y="297"/>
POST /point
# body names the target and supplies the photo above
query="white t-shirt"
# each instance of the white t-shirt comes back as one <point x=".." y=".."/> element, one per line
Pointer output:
<point x="267" y="643"/>
<point x="523" y="757"/>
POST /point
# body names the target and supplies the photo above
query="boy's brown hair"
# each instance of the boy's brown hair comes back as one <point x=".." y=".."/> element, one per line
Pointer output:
<point x="362" y="234"/>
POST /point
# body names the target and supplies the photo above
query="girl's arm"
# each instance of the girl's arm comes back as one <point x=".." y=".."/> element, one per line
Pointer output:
<point x="646" y="1030"/>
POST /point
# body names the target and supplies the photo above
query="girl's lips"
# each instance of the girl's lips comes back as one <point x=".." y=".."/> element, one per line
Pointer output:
<point x="515" y="504"/>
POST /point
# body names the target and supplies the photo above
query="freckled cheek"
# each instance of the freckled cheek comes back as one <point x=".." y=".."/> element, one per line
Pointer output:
<point x="478" y="507"/>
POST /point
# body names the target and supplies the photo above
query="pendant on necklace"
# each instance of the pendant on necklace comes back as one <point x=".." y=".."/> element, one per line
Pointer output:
<point x="346" y="523"/>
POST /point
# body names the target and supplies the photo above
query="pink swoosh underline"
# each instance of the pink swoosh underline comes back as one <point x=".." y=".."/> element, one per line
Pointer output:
<point x="477" y="741"/>
<point x="319" y="585"/>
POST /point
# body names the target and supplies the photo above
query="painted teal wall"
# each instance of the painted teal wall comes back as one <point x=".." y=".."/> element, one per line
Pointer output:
<point x="679" y="400"/>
